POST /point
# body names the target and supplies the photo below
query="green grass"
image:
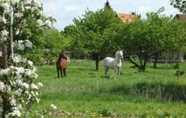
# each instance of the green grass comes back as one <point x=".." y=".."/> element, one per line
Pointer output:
<point x="85" y="92"/>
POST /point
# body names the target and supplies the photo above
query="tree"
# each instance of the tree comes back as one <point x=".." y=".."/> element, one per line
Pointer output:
<point x="107" y="5"/>
<point x="150" y="37"/>
<point x="88" y="32"/>
<point x="50" y="44"/>
<point x="18" y="87"/>
<point x="179" y="4"/>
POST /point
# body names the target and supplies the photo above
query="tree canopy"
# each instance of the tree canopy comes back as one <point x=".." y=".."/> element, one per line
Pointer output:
<point x="88" y="32"/>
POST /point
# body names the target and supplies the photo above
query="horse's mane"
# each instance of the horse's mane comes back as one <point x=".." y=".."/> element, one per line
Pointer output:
<point x="61" y="56"/>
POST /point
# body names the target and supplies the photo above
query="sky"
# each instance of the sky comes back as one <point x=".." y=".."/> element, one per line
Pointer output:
<point x="64" y="11"/>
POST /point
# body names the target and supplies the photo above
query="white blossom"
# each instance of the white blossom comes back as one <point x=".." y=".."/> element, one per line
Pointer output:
<point x="4" y="71"/>
<point x="15" y="112"/>
<point x="30" y="63"/>
<point x="16" y="58"/>
<point x="19" y="70"/>
<point x="30" y="73"/>
<point x="15" y="1"/>
<point x="40" y="84"/>
<point x="33" y="86"/>
<point x="28" y="1"/>
<point x="40" y="22"/>
<point x="13" y="101"/>
<point x="28" y="44"/>
<point x="4" y="33"/>
<point x="2" y="86"/>
<point x="6" y="7"/>
<point x="2" y="19"/>
<point x="21" y="46"/>
<point x="17" y="32"/>
<point x="18" y="15"/>
<point x="48" y="23"/>
<point x="25" y="85"/>
<point x="53" y="106"/>
<point x="38" y="4"/>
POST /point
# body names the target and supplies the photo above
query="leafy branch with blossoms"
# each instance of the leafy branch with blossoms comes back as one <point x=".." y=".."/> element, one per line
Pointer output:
<point x="18" y="88"/>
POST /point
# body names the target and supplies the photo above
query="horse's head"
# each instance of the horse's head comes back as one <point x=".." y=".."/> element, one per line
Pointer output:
<point x="62" y="55"/>
<point x="119" y="54"/>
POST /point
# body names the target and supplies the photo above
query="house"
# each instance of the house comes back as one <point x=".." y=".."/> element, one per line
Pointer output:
<point x="181" y="17"/>
<point x="127" y="18"/>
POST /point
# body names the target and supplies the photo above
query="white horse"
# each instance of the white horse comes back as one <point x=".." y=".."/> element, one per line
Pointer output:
<point x="113" y="63"/>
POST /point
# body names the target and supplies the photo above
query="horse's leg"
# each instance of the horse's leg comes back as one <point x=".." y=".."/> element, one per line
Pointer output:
<point x="61" y="71"/>
<point x="57" y="69"/>
<point x="64" y="71"/>
<point x="57" y="72"/>
<point x="118" y="71"/>
<point x="106" y="71"/>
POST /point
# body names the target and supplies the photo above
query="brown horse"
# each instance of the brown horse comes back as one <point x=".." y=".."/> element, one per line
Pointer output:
<point x="61" y="64"/>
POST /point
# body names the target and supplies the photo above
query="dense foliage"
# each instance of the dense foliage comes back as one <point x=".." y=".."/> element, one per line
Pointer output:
<point x="102" y="32"/>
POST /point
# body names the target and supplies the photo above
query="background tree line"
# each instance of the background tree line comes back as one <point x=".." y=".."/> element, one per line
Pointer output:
<point x="102" y="33"/>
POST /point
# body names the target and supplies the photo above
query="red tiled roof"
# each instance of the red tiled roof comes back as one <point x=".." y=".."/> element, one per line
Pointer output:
<point x="126" y="18"/>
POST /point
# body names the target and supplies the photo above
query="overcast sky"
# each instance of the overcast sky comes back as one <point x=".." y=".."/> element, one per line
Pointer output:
<point x="64" y="11"/>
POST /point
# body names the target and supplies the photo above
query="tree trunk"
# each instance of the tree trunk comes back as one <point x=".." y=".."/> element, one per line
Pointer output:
<point x="142" y="67"/>
<point x="155" y="60"/>
<point x="97" y="62"/>
<point x="5" y="96"/>
<point x="5" y="62"/>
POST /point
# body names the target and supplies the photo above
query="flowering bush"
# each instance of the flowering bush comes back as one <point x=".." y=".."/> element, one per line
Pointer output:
<point x="18" y="88"/>
<point x="18" y="81"/>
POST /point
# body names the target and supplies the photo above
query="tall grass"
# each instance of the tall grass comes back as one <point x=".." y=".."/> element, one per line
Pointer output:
<point x="86" y="92"/>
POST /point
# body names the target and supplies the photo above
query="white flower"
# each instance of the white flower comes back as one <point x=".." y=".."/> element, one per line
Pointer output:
<point x="40" y="22"/>
<point x="33" y="86"/>
<point x="2" y="19"/>
<point x="15" y="1"/>
<point x="30" y="73"/>
<point x="38" y="4"/>
<point x="25" y="85"/>
<point x="16" y="58"/>
<point x="18" y="92"/>
<point x="21" y="46"/>
<point x="4" y="71"/>
<point x="13" y="102"/>
<point x="20" y="70"/>
<point x="2" y="86"/>
<point x="28" y="44"/>
<point x="48" y="23"/>
<point x="15" y="112"/>
<point x="30" y="63"/>
<point x="40" y="84"/>
<point x="19" y="81"/>
<point x="18" y="15"/>
<point x="17" y="31"/>
<point x="28" y="1"/>
<point x="4" y="33"/>
<point x="53" y="106"/>
<point x="6" y="7"/>
<point x="1" y="54"/>
<point x="37" y="100"/>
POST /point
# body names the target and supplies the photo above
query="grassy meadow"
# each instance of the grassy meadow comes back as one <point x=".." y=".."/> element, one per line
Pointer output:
<point x="85" y="92"/>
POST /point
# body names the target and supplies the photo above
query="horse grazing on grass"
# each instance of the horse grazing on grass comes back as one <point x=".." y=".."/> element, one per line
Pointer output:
<point x="113" y="63"/>
<point x="61" y="64"/>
